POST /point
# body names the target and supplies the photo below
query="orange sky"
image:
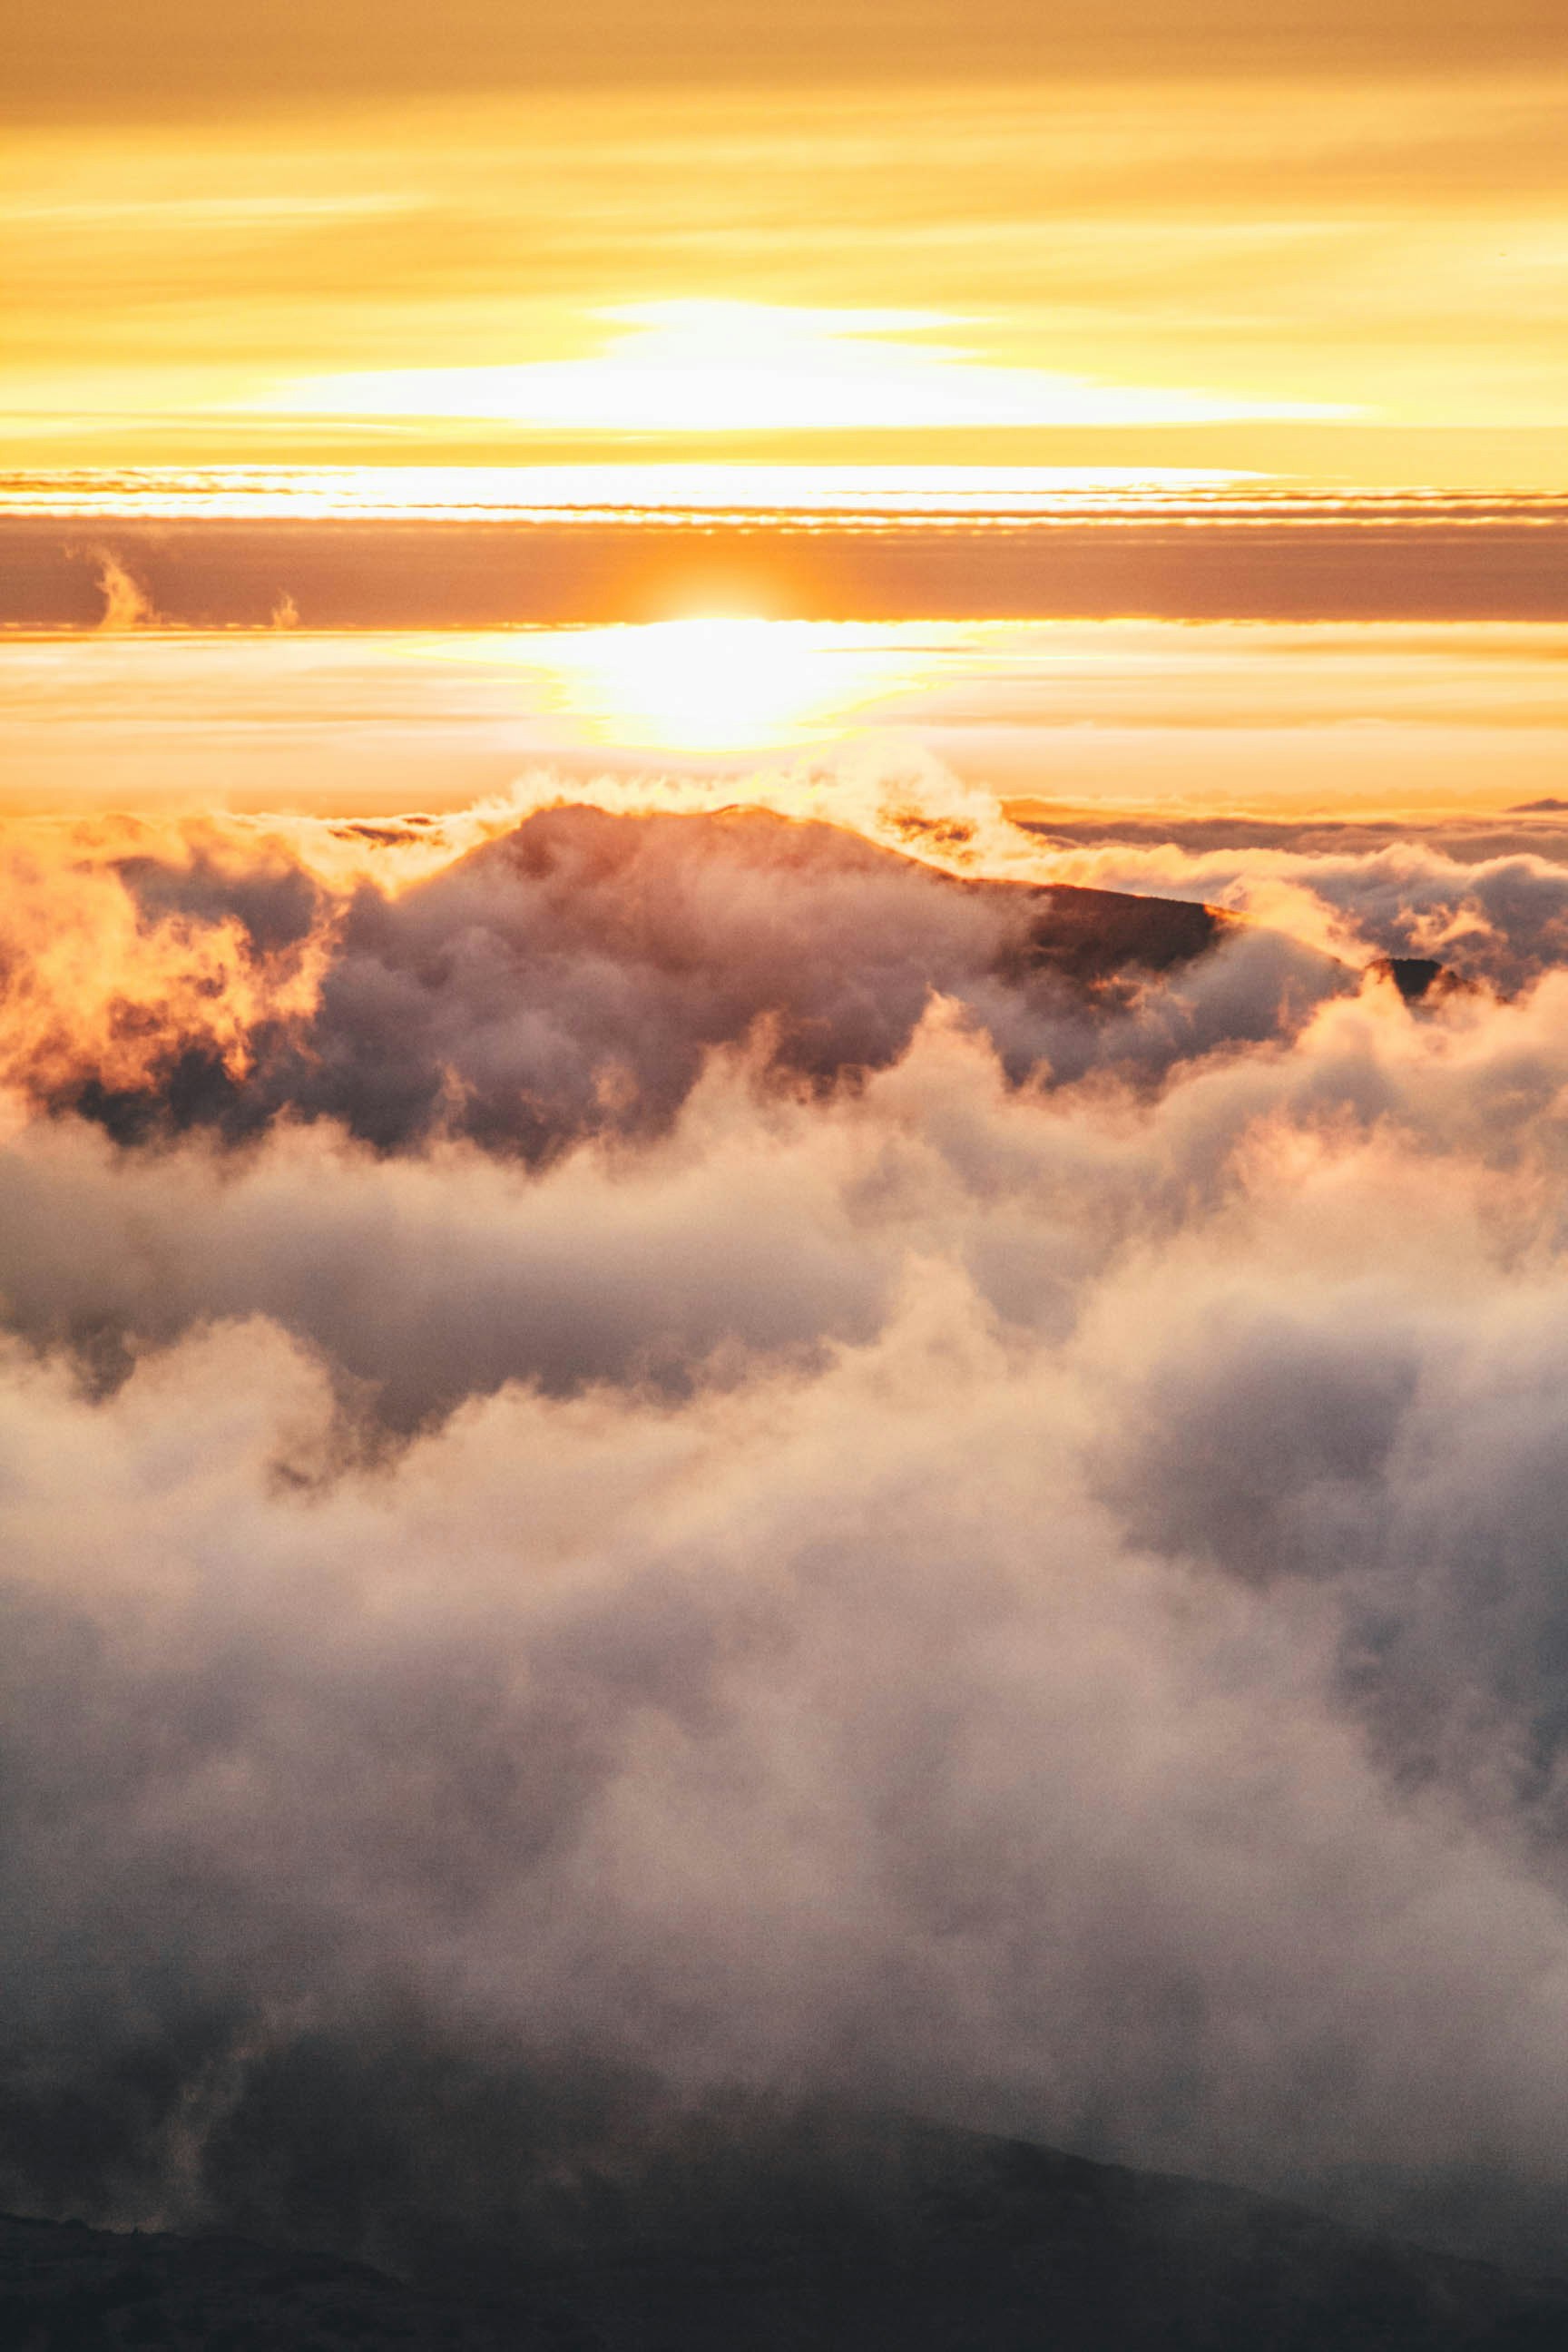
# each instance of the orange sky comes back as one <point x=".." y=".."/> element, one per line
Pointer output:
<point x="1336" y="245"/>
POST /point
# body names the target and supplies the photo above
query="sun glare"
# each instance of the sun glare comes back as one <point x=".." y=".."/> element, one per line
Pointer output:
<point x="705" y="683"/>
<point x="721" y="683"/>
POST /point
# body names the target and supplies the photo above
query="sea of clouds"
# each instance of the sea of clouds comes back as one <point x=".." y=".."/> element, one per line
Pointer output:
<point x="654" y="1465"/>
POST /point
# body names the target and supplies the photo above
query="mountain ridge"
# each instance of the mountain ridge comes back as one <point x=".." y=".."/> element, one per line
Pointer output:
<point x="951" y="2242"/>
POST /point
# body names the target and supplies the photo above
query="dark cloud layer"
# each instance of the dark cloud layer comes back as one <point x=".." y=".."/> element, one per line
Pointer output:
<point x="967" y="1532"/>
<point x="1344" y="557"/>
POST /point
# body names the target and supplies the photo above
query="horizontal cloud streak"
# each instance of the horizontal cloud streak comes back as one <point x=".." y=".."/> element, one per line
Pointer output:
<point x="1286" y="559"/>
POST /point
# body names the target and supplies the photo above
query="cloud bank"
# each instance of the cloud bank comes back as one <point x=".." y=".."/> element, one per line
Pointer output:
<point x="686" y="1468"/>
<point x="1389" y="558"/>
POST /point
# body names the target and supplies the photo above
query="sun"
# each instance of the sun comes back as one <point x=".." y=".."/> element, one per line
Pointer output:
<point x="704" y="683"/>
<point x="725" y="683"/>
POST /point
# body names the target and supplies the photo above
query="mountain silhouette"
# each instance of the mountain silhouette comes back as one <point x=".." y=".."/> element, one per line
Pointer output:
<point x="891" y="2237"/>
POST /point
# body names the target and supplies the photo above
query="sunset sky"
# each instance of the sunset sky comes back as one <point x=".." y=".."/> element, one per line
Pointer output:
<point x="1330" y="241"/>
<point x="784" y="1121"/>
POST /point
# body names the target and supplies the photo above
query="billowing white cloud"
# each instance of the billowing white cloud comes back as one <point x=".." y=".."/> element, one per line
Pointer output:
<point x="955" y="1569"/>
